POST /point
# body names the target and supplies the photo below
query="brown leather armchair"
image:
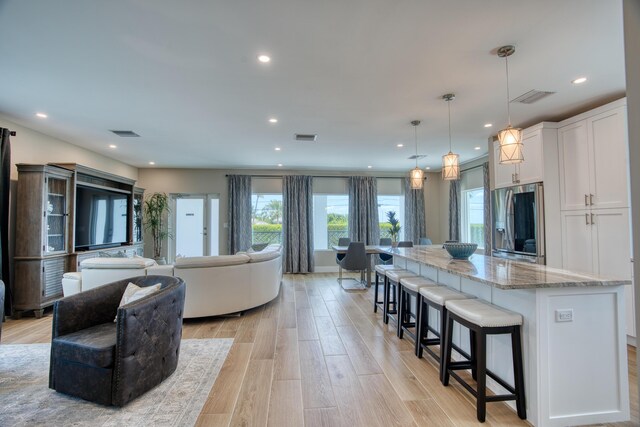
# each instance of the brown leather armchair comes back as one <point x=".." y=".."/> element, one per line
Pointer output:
<point x="112" y="363"/>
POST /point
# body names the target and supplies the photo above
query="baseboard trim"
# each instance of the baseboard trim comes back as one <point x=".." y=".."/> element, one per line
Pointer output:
<point x="631" y="341"/>
<point x="326" y="269"/>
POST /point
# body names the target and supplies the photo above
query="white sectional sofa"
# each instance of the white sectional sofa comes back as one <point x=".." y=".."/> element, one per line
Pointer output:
<point x="216" y="285"/>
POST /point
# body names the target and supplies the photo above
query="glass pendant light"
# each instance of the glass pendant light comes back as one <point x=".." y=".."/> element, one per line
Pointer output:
<point x="416" y="175"/>
<point x="450" y="161"/>
<point x="510" y="138"/>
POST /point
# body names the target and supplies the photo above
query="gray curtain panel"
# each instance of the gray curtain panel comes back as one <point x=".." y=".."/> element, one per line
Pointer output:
<point x="414" y="218"/>
<point x="363" y="210"/>
<point x="239" y="213"/>
<point x="5" y="185"/>
<point x="297" y="220"/>
<point x="487" y="209"/>
<point x="454" y="210"/>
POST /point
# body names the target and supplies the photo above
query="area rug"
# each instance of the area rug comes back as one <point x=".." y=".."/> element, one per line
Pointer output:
<point x="26" y="400"/>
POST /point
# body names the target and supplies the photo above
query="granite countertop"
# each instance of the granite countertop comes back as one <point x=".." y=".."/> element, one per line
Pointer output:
<point x="502" y="273"/>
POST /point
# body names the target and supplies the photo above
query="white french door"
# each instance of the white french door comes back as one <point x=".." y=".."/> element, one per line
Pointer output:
<point x="194" y="224"/>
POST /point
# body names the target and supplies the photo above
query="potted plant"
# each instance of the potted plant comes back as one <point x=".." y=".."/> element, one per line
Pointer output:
<point x="394" y="230"/>
<point x="156" y="206"/>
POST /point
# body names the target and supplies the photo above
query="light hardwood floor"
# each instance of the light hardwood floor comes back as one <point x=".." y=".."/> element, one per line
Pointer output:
<point x="319" y="356"/>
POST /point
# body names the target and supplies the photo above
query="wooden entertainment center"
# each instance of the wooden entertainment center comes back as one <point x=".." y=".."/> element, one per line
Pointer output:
<point x="45" y="228"/>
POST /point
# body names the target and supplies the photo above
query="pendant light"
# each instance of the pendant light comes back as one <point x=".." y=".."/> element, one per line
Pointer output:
<point x="510" y="138"/>
<point x="450" y="161"/>
<point x="416" y="175"/>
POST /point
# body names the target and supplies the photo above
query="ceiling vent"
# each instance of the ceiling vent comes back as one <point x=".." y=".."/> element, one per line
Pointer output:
<point x="532" y="96"/>
<point x="126" y="133"/>
<point x="306" y="137"/>
<point x="417" y="156"/>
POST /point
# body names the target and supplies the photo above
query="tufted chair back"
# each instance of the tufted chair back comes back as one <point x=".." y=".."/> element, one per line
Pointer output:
<point x="146" y="339"/>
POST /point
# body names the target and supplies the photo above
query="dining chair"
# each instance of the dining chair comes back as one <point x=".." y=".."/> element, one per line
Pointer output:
<point x="405" y="244"/>
<point x="385" y="258"/>
<point x="355" y="260"/>
<point x="342" y="241"/>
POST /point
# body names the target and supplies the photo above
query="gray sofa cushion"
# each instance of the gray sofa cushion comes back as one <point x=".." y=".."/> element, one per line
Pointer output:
<point x="93" y="346"/>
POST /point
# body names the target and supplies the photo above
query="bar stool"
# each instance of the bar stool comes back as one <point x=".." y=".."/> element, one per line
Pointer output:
<point x="484" y="319"/>
<point x="436" y="298"/>
<point x="393" y="281"/>
<point x="381" y="271"/>
<point x="410" y="287"/>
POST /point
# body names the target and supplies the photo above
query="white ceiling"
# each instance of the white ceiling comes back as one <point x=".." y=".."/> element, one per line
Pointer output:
<point x="184" y="75"/>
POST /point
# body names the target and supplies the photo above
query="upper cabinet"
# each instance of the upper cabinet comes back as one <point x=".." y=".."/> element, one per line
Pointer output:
<point x="593" y="163"/>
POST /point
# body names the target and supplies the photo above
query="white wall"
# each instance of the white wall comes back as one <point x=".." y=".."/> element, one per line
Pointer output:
<point x="632" y="57"/>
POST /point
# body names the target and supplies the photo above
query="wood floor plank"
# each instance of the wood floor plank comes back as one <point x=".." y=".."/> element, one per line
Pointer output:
<point x="252" y="407"/>
<point x="306" y="324"/>
<point x="287" y="315"/>
<point x="264" y="346"/>
<point x="287" y="357"/>
<point x="329" y="338"/>
<point x="318" y="306"/>
<point x="213" y="420"/>
<point x="302" y="300"/>
<point x="323" y="417"/>
<point x="362" y="359"/>
<point x="352" y="399"/>
<point x="428" y="413"/>
<point x="224" y="393"/>
<point x="387" y="407"/>
<point x="339" y="317"/>
<point x="316" y="384"/>
<point x="249" y="326"/>
<point x="285" y="405"/>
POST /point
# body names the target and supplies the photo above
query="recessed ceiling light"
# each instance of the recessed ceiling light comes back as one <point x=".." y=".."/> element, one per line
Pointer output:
<point x="400" y="145"/>
<point x="42" y="115"/>
<point x="488" y="125"/>
<point x="278" y="148"/>
<point x="113" y="146"/>
<point x="579" y="80"/>
<point x="279" y="165"/>
<point x="152" y="163"/>
<point x="477" y="148"/>
<point x="369" y="167"/>
<point x="273" y="120"/>
<point x="264" y="58"/>
<point x="428" y="167"/>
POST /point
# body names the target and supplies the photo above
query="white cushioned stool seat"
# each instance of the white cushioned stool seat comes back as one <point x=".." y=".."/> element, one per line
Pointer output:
<point x="415" y="283"/>
<point x="441" y="294"/>
<point x="396" y="275"/>
<point x="71" y="283"/>
<point x="483" y="314"/>
<point x="117" y="263"/>
<point x="382" y="269"/>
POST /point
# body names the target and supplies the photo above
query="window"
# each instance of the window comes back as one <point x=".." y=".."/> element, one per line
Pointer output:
<point x="330" y="219"/>
<point x="266" y="218"/>
<point x="472" y="216"/>
<point x="386" y="204"/>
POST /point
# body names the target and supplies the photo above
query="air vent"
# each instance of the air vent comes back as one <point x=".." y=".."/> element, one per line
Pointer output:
<point x="125" y="133"/>
<point x="417" y="156"/>
<point x="306" y="137"/>
<point x="532" y="96"/>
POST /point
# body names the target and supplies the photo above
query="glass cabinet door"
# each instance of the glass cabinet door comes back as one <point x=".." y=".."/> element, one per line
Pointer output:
<point x="56" y="214"/>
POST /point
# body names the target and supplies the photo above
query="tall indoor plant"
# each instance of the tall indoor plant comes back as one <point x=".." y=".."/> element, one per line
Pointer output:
<point x="156" y="206"/>
<point x="394" y="230"/>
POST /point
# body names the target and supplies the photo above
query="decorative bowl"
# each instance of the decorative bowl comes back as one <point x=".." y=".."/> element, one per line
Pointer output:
<point x="461" y="250"/>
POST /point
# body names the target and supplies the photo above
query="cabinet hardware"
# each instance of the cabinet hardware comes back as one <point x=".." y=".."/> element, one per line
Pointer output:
<point x="591" y="199"/>
<point x="592" y="220"/>
<point x="586" y="218"/>
<point x="513" y="179"/>
<point x="586" y="200"/>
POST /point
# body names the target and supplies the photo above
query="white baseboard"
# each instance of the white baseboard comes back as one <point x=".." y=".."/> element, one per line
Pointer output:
<point x="631" y="341"/>
<point x="326" y="269"/>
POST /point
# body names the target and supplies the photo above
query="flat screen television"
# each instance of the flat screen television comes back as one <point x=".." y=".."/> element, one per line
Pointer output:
<point x="101" y="218"/>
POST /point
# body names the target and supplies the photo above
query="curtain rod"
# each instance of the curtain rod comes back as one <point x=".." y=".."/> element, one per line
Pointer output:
<point x="323" y="176"/>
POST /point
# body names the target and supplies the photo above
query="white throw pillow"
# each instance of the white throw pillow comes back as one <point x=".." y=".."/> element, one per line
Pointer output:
<point x="135" y="292"/>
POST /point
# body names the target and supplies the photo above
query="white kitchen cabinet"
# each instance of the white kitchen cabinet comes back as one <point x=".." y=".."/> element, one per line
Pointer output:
<point x="597" y="241"/>
<point x="593" y="161"/>
<point x="527" y="172"/>
<point x="629" y="300"/>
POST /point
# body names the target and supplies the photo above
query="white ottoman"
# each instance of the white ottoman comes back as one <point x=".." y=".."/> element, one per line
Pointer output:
<point x="71" y="283"/>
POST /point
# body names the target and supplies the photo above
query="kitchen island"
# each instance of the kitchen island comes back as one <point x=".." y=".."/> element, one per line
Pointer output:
<point x="574" y="342"/>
